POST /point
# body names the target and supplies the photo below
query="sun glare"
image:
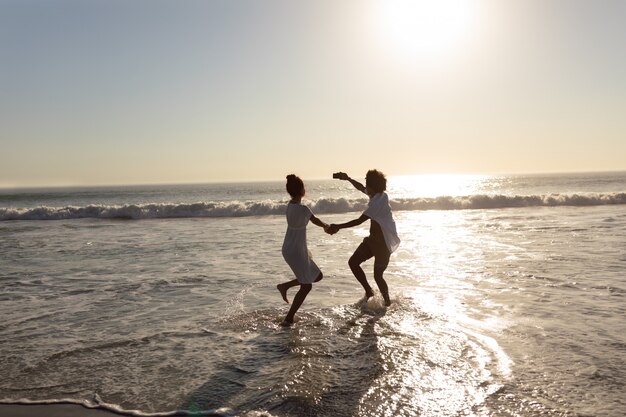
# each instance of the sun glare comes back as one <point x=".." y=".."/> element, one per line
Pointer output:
<point x="425" y="29"/>
<point x="430" y="186"/>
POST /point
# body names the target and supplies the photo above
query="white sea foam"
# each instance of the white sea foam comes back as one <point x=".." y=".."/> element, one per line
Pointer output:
<point x="98" y="404"/>
<point x="484" y="201"/>
<point x="324" y="206"/>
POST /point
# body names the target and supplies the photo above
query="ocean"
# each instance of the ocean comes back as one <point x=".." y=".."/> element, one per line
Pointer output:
<point x="508" y="299"/>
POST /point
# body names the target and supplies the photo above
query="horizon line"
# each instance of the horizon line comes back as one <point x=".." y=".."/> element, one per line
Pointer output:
<point x="241" y="181"/>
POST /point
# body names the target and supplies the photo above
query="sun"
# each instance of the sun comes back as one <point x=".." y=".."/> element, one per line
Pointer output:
<point x="424" y="29"/>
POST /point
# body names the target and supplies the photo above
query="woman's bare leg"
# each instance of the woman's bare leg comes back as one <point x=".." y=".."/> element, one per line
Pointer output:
<point x="382" y="284"/>
<point x="297" y="302"/>
<point x="355" y="262"/>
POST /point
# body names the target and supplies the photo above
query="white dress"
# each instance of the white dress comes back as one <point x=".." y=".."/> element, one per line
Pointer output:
<point x="295" y="250"/>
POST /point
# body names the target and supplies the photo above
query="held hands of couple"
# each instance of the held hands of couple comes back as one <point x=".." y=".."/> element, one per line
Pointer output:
<point x="331" y="229"/>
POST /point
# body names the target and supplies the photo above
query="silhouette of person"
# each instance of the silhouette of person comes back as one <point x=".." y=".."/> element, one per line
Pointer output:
<point x="295" y="251"/>
<point x="383" y="239"/>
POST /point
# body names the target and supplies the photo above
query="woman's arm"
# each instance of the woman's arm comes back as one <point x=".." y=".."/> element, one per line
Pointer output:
<point x="318" y="222"/>
<point x="334" y="228"/>
<point x="355" y="184"/>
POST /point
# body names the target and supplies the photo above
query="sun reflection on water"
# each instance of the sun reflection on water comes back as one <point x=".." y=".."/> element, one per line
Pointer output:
<point x="453" y="356"/>
<point x="435" y="185"/>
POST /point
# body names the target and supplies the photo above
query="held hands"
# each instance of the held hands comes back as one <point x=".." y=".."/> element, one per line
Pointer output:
<point x="331" y="229"/>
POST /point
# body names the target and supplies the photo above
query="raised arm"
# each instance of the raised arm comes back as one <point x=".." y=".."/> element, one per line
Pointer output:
<point x="355" y="184"/>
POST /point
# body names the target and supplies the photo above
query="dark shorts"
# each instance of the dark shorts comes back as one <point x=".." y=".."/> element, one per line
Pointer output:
<point x="370" y="247"/>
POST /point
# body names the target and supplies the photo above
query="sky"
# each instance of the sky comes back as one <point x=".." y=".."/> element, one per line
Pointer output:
<point x="96" y="92"/>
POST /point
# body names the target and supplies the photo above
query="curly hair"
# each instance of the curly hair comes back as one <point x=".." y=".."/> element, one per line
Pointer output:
<point x="376" y="180"/>
<point x="295" y="186"/>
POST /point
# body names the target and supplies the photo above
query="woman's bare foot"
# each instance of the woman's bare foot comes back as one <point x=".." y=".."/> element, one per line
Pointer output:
<point x="368" y="294"/>
<point x="387" y="300"/>
<point x="283" y="292"/>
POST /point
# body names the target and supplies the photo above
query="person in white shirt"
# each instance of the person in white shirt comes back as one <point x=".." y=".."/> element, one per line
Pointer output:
<point x="295" y="249"/>
<point x="383" y="239"/>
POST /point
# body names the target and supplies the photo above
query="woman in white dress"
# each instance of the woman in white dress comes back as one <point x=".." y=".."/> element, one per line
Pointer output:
<point x="295" y="249"/>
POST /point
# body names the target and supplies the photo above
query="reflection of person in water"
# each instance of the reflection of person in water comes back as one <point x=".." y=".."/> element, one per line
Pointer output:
<point x="295" y="249"/>
<point x="383" y="238"/>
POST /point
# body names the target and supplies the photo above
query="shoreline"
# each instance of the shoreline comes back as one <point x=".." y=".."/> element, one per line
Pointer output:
<point x="53" y="410"/>
<point x="78" y="410"/>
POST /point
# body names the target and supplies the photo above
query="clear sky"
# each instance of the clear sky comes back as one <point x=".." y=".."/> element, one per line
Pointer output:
<point x="153" y="91"/>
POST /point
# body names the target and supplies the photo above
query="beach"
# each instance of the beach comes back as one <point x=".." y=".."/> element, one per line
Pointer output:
<point x="507" y="300"/>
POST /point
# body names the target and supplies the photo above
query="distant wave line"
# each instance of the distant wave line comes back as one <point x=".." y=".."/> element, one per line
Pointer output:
<point x="322" y="206"/>
<point x="486" y="201"/>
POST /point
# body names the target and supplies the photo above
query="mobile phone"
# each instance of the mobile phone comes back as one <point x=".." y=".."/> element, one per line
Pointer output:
<point x="337" y="175"/>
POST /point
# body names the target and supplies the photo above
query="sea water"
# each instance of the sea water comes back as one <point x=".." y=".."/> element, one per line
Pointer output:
<point x="508" y="299"/>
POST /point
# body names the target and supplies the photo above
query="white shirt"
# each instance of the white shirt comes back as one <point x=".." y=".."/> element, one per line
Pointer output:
<point x="379" y="210"/>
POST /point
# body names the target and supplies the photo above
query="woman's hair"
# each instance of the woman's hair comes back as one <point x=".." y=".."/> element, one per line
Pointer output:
<point x="376" y="181"/>
<point x="295" y="186"/>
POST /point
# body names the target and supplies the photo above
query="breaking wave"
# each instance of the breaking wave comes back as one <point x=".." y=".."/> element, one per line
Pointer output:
<point x="322" y="206"/>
